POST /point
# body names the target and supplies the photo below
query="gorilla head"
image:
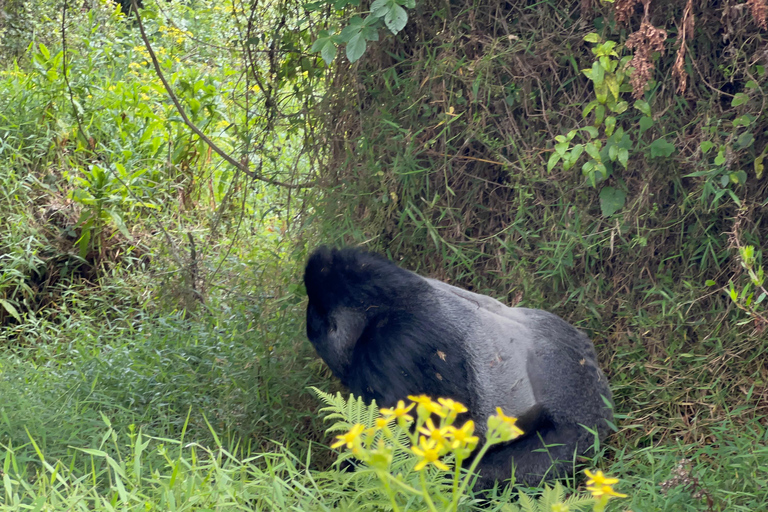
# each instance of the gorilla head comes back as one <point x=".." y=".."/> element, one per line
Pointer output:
<point x="388" y="333"/>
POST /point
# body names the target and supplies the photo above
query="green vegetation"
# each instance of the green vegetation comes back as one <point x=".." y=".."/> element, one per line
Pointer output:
<point x="157" y="206"/>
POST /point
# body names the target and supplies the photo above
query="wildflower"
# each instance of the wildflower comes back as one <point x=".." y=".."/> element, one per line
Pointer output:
<point x="436" y="434"/>
<point x="429" y="451"/>
<point x="399" y="411"/>
<point x="599" y="478"/>
<point x="601" y="485"/>
<point x="504" y="426"/>
<point x="452" y="406"/>
<point x="426" y="406"/>
<point x="604" y="490"/>
<point x="351" y="438"/>
<point x="463" y="438"/>
<point x="382" y="423"/>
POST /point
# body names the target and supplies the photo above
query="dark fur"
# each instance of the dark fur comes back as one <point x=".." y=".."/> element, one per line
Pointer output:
<point x="388" y="333"/>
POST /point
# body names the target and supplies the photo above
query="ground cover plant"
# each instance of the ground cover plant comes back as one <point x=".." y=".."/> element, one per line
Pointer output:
<point x="152" y="352"/>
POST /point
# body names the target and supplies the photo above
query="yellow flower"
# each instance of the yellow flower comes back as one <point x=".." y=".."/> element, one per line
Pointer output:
<point x="426" y="406"/>
<point x="462" y="437"/>
<point x="429" y="451"/>
<point x="399" y="411"/>
<point x="601" y="485"/>
<point x="504" y="426"/>
<point x="604" y="490"/>
<point x="452" y="405"/>
<point x="436" y="434"/>
<point x="382" y="423"/>
<point x="599" y="478"/>
<point x="350" y="438"/>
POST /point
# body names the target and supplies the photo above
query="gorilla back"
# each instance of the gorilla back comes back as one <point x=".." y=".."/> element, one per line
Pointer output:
<point x="388" y="333"/>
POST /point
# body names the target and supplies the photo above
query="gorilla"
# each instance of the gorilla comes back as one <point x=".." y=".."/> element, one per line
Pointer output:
<point x="387" y="333"/>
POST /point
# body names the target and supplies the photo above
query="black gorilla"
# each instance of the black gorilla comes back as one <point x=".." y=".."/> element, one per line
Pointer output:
<point x="387" y="333"/>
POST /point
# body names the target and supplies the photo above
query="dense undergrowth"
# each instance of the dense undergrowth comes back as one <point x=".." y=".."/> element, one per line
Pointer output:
<point x="152" y="353"/>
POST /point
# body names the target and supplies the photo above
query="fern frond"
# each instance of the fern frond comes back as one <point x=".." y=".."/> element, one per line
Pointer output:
<point x="348" y="411"/>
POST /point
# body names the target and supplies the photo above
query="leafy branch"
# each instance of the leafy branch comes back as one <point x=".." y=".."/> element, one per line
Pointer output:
<point x="384" y="13"/>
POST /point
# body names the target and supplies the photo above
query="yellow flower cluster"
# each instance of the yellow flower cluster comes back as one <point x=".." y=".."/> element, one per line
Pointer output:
<point x="177" y="34"/>
<point x="602" y="486"/>
<point x="433" y="437"/>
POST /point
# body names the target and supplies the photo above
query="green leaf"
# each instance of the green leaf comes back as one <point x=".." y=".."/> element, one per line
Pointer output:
<point x="322" y="38"/>
<point x="396" y="18"/>
<point x="84" y="241"/>
<point x="10" y="309"/>
<point x="611" y="200"/>
<point x="744" y="120"/>
<point x="710" y="282"/>
<point x="661" y="148"/>
<point x="591" y="130"/>
<point x="553" y="159"/>
<point x="610" y="125"/>
<point x="613" y="153"/>
<point x="759" y="165"/>
<point x="745" y="140"/>
<point x="370" y="33"/>
<point x="561" y="148"/>
<point x="720" y="158"/>
<point x="599" y="114"/>
<point x="348" y="33"/>
<point x="44" y="51"/>
<point x="706" y="145"/>
<point x="643" y="107"/>
<point x="328" y="53"/>
<point x="590" y="106"/>
<point x="118" y="220"/>
<point x="356" y="47"/>
<point x="592" y="37"/>
<point x="379" y="8"/>
<point x="739" y="99"/>
<point x="592" y="150"/>
<point x="645" y="123"/>
<point x="623" y="157"/>
<point x="620" y="107"/>
<point x="613" y="86"/>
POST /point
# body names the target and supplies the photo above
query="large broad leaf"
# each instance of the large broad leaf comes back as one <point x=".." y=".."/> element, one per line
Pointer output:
<point x="328" y="53"/>
<point x="611" y="200"/>
<point x="396" y="18"/>
<point x="322" y="37"/>
<point x="356" y="47"/>
<point x="379" y="8"/>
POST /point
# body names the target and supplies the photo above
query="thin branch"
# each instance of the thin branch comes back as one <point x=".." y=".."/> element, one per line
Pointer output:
<point x="65" y="72"/>
<point x="223" y="154"/>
